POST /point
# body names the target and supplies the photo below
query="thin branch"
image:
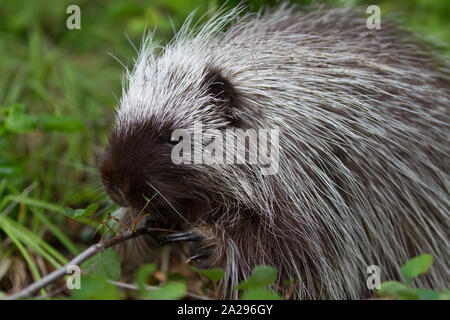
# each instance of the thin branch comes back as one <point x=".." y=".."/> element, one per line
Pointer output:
<point x="86" y="254"/>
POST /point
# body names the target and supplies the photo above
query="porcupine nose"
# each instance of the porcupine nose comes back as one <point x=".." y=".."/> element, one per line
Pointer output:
<point x="113" y="179"/>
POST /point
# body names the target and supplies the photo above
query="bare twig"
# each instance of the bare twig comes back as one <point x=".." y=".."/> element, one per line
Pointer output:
<point x="86" y="254"/>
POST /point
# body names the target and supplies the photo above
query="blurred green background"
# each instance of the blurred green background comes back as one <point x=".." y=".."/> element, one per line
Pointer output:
<point x="58" y="90"/>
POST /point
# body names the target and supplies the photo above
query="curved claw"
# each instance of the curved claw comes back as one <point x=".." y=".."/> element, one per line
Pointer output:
<point x="182" y="236"/>
<point x="198" y="256"/>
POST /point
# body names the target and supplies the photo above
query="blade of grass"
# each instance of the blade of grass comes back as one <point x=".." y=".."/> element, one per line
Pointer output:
<point x="56" y="232"/>
<point x="22" y="250"/>
<point x="34" y="242"/>
<point x="5" y="200"/>
<point x="26" y="257"/>
<point x="51" y="166"/>
<point x="33" y="202"/>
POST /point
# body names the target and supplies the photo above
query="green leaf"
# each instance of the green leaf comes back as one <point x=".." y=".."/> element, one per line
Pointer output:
<point x="444" y="295"/>
<point x="214" y="274"/>
<point x="95" y="288"/>
<point x="59" y="123"/>
<point x="260" y="294"/>
<point x="407" y="294"/>
<point x="81" y="213"/>
<point x="397" y="290"/>
<point x="427" y="294"/>
<point x="169" y="291"/>
<point x="389" y="288"/>
<point x="175" y="277"/>
<point x="19" y="121"/>
<point x="106" y="264"/>
<point x="416" y="266"/>
<point x="142" y="275"/>
<point x="261" y="276"/>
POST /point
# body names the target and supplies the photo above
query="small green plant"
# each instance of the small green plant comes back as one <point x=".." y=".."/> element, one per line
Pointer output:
<point x="105" y="263"/>
<point x="95" y="282"/>
<point x="258" y="286"/>
<point x="81" y="213"/>
<point x="96" y="288"/>
<point x="214" y="274"/>
<point x="170" y="290"/>
<point x="411" y="269"/>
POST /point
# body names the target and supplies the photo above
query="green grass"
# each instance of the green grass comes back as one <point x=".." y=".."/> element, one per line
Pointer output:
<point x="53" y="79"/>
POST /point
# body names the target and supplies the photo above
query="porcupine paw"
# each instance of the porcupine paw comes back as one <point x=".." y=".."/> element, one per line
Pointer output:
<point x="200" y="245"/>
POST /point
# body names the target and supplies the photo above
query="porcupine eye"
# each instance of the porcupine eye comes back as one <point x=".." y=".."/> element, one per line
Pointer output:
<point x="167" y="138"/>
<point x="174" y="142"/>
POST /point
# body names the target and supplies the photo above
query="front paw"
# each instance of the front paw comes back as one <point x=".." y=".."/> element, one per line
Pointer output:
<point x="200" y="245"/>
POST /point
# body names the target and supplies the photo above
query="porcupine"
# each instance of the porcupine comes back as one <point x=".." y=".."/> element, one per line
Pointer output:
<point x="363" y="120"/>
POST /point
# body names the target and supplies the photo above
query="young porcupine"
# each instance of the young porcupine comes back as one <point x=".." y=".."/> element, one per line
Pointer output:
<point x="363" y="120"/>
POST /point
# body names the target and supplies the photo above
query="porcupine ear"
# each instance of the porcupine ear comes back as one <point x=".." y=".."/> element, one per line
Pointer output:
<point x="225" y="96"/>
